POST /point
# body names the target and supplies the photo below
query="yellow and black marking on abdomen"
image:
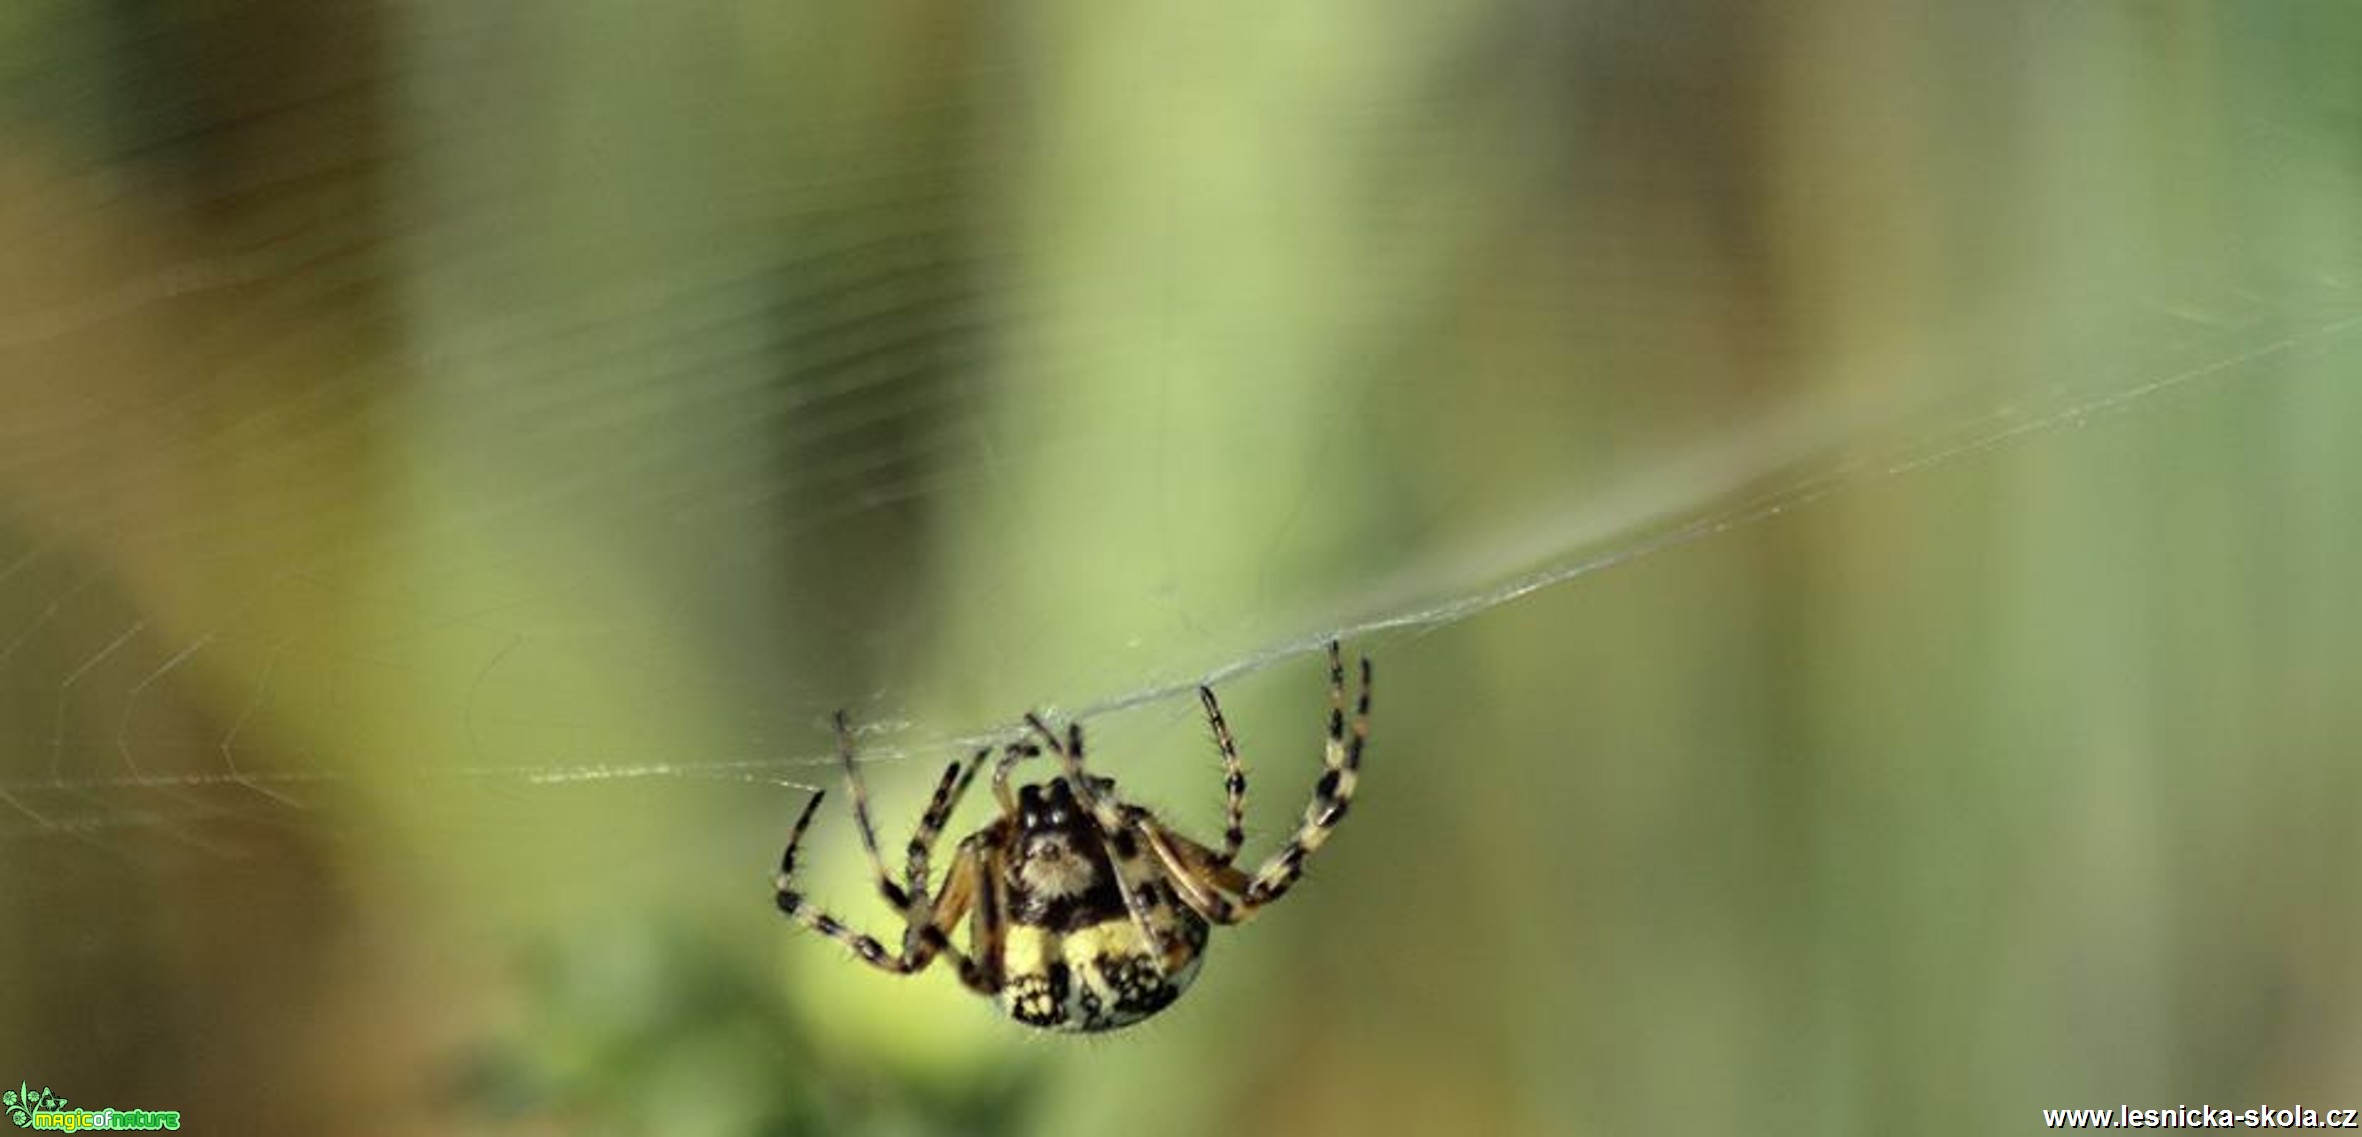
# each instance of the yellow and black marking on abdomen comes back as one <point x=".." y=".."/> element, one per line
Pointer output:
<point x="1097" y="977"/>
<point x="1076" y="956"/>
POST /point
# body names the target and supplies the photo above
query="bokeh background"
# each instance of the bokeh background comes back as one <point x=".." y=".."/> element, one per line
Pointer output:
<point x="1856" y="507"/>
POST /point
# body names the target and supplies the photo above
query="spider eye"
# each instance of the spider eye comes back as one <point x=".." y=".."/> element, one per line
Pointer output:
<point x="1057" y="817"/>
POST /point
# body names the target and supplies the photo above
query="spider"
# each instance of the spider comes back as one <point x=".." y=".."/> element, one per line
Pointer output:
<point x="1085" y="912"/>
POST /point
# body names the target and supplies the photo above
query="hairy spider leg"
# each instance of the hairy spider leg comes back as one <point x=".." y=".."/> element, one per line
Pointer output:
<point x="948" y="792"/>
<point x="803" y="912"/>
<point x="1015" y="753"/>
<point x="1204" y="875"/>
<point x="1234" y="777"/>
<point x="926" y="925"/>
<point x="895" y="894"/>
<point x="1197" y="875"/>
<point x="963" y="887"/>
<point x="959" y="891"/>
<point x="1331" y="797"/>
<point x="988" y="921"/>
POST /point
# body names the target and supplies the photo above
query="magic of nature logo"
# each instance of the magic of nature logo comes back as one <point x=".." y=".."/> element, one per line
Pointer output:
<point x="43" y="1109"/>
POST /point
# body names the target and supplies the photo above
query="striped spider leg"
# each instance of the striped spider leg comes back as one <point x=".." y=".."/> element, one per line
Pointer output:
<point x="927" y="921"/>
<point x="1208" y="882"/>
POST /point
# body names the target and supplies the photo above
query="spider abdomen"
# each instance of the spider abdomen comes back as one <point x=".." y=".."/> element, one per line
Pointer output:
<point x="1097" y="977"/>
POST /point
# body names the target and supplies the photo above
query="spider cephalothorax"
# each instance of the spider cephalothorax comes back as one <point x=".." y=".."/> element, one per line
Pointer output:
<point x="1085" y="912"/>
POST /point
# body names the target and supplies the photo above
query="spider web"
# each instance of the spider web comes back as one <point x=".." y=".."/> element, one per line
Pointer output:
<point x="108" y="768"/>
<point x="446" y="490"/>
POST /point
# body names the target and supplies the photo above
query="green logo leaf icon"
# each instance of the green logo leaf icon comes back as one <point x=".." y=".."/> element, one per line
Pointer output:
<point x="22" y="1102"/>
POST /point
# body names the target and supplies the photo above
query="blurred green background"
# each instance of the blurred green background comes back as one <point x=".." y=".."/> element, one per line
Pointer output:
<point x="454" y="457"/>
